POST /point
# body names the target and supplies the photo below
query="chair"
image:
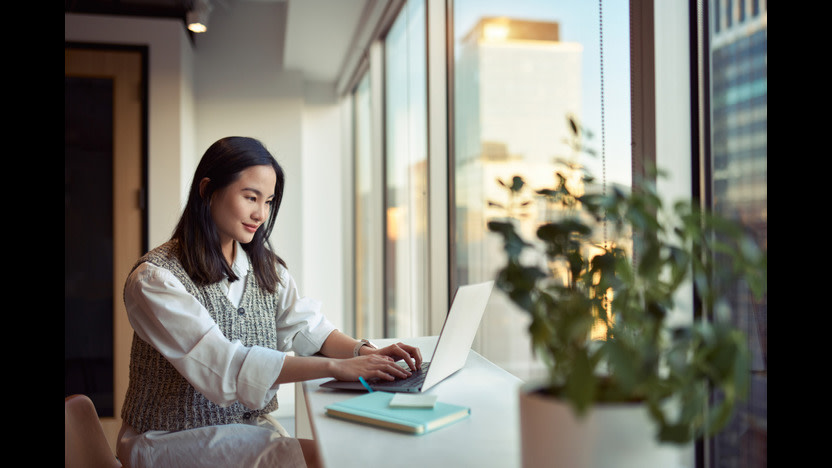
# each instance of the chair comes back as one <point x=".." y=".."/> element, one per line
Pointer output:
<point x="84" y="442"/>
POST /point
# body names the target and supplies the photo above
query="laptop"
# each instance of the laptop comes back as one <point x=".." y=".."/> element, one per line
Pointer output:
<point x="451" y="350"/>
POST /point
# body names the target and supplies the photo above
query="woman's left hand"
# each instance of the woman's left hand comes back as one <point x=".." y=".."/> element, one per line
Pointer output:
<point x="410" y="354"/>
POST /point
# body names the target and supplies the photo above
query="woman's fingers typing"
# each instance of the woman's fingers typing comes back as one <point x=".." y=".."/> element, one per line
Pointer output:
<point x="410" y="354"/>
<point x="371" y="366"/>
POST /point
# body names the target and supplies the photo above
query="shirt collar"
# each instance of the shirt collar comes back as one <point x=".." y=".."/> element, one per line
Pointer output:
<point x="241" y="264"/>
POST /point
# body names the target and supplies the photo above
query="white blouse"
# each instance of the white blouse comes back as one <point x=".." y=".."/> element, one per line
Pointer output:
<point x="174" y="322"/>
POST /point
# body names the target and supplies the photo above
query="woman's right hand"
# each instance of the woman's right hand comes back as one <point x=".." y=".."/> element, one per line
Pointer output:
<point x="370" y="366"/>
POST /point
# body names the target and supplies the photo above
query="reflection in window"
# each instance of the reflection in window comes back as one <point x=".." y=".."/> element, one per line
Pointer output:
<point x="739" y="103"/>
<point x="406" y="174"/>
<point x="520" y="68"/>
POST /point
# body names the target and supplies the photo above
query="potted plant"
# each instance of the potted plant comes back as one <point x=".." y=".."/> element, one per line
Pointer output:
<point x="599" y="279"/>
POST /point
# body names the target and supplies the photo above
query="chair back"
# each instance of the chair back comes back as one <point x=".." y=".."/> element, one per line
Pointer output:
<point x="84" y="442"/>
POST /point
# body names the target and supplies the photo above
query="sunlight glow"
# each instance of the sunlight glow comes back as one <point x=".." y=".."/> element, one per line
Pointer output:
<point x="495" y="31"/>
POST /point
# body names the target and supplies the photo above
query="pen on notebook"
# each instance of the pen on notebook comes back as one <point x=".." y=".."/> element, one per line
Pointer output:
<point x="365" y="384"/>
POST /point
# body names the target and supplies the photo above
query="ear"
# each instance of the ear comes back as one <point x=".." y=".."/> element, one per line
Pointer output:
<point x="202" y="184"/>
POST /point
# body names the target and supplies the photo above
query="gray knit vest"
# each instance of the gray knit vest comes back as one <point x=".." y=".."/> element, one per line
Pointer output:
<point x="158" y="397"/>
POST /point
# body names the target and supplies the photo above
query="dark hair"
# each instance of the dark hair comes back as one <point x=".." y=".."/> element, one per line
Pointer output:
<point x="199" y="241"/>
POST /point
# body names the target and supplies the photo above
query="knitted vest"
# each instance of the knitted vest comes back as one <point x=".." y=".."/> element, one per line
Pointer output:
<point x="158" y="397"/>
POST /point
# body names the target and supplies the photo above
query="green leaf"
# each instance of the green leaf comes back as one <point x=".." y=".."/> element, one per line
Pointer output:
<point x="580" y="388"/>
<point x="513" y="244"/>
<point x="517" y="184"/>
<point x="573" y="125"/>
<point x="675" y="433"/>
<point x="622" y="362"/>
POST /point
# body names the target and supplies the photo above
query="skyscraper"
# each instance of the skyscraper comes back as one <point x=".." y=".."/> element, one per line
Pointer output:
<point x="739" y="62"/>
<point x="515" y="84"/>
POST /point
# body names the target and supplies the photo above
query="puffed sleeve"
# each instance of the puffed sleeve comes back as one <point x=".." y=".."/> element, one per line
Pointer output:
<point x="301" y="327"/>
<point x="175" y="323"/>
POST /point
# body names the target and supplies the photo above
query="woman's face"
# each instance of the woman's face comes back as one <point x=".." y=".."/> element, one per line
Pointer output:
<point x="240" y="208"/>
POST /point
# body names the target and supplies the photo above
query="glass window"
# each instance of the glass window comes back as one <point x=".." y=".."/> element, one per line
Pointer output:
<point x="406" y="246"/>
<point x="368" y="221"/>
<point x="738" y="75"/>
<point x="520" y="68"/>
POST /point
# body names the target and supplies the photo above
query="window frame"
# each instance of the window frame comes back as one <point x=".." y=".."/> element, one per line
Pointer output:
<point x="662" y="123"/>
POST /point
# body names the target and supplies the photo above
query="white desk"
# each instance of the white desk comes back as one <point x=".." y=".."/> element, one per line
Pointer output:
<point x="489" y="437"/>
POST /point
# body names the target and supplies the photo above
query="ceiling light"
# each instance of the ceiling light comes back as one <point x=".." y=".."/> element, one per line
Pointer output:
<point x="197" y="18"/>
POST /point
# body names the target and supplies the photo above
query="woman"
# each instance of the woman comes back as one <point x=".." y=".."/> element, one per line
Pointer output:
<point x="214" y="312"/>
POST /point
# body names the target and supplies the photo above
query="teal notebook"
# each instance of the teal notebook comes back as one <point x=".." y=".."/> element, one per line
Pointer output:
<point x="374" y="408"/>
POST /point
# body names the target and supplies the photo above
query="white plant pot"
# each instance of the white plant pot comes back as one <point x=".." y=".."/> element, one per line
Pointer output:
<point x="614" y="436"/>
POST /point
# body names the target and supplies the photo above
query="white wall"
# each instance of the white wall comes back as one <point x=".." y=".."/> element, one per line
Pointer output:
<point x="322" y="194"/>
<point x="673" y="107"/>
<point x="673" y="120"/>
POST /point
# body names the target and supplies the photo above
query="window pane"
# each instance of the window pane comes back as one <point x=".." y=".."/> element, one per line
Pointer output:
<point x="738" y="43"/>
<point x="406" y="173"/>
<point x="520" y="68"/>
<point x="368" y="221"/>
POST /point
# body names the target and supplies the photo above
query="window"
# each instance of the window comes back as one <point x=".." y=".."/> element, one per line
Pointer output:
<point x="517" y="70"/>
<point x="406" y="215"/>
<point x="737" y="39"/>
<point x="368" y="219"/>
<point x="520" y="68"/>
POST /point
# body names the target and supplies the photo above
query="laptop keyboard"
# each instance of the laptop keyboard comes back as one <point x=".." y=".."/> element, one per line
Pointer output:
<point x="415" y="379"/>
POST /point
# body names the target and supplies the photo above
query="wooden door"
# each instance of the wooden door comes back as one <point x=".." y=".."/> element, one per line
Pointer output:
<point x="103" y="232"/>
